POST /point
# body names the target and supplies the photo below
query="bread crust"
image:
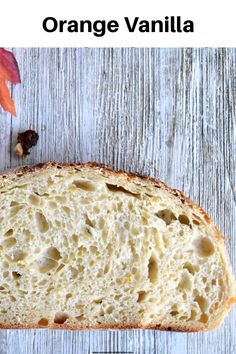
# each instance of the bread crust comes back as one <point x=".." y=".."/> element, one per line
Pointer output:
<point x="136" y="178"/>
<point x="170" y="328"/>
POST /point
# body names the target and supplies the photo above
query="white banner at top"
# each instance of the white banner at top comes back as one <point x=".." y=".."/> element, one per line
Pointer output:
<point x="117" y="23"/>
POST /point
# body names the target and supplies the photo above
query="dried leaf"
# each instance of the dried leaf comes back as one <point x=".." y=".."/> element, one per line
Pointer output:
<point x="8" y="67"/>
<point x="6" y="101"/>
<point x="9" y="71"/>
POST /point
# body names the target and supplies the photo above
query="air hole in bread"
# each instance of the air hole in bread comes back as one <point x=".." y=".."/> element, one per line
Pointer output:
<point x="96" y="210"/>
<point x="68" y="296"/>
<point x="204" y="247"/>
<point x="65" y="241"/>
<point x="166" y="215"/>
<point x="34" y="200"/>
<point x="110" y="309"/>
<point x="9" y="233"/>
<point x="197" y="218"/>
<point x="2" y="288"/>
<point x="101" y="223"/>
<point x="193" y="315"/>
<point x="99" y="273"/>
<point x="141" y="296"/>
<point x="191" y="268"/>
<point x="98" y="301"/>
<point x="75" y="238"/>
<point x="183" y="318"/>
<point x="114" y="188"/>
<point x="134" y="270"/>
<point x="5" y="274"/>
<point x="88" y="221"/>
<point x="174" y="313"/>
<point x="12" y="298"/>
<point x="45" y="264"/>
<point x="50" y="289"/>
<point x="166" y="240"/>
<point x="104" y="234"/>
<point x="60" y="317"/>
<point x="42" y="282"/>
<point x="20" y="186"/>
<point x="106" y="269"/>
<point x="41" y="222"/>
<point x="213" y="282"/>
<point x="28" y="235"/>
<point x="18" y="255"/>
<point x="185" y="283"/>
<point x="130" y="206"/>
<point x="49" y="181"/>
<point x="61" y="199"/>
<point x="119" y="281"/>
<point x="85" y="185"/>
<point x="16" y="275"/>
<point x="80" y="317"/>
<point x="61" y="266"/>
<point x="5" y="265"/>
<point x="67" y="211"/>
<point x="202" y="302"/>
<point x="196" y="222"/>
<point x="53" y="253"/>
<point x="22" y="293"/>
<point x="135" y="231"/>
<point x="15" y="210"/>
<point x="42" y="194"/>
<point x="81" y="251"/>
<point x="9" y="242"/>
<point x="52" y="205"/>
<point x="183" y="219"/>
<point x="203" y="318"/>
<point x="94" y="250"/>
<point x="110" y="249"/>
<point x="43" y="322"/>
<point x="152" y="269"/>
<point x="74" y="272"/>
<point x="14" y="203"/>
<point x="221" y="283"/>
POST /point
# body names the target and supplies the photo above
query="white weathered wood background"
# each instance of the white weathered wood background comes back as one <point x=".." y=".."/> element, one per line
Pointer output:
<point x="168" y="113"/>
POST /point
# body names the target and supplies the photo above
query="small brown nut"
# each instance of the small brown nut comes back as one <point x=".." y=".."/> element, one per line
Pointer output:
<point x="25" y="141"/>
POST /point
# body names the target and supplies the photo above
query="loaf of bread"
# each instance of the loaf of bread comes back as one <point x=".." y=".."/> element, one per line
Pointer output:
<point x="83" y="246"/>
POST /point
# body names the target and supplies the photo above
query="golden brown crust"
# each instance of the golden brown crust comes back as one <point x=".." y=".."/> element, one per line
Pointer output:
<point x="161" y="327"/>
<point x="132" y="177"/>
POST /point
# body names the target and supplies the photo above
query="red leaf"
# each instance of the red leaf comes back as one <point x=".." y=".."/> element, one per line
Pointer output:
<point x="8" y="67"/>
<point x="9" y="71"/>
<point x="6" y="101"/>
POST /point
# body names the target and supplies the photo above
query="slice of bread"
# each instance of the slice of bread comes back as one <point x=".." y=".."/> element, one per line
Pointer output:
<point x="83" y="246"/>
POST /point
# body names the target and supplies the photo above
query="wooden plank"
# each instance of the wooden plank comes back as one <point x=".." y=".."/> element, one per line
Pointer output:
<point x="168" y="113"/>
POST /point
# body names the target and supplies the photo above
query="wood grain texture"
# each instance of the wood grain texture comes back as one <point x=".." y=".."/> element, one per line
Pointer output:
<point x="167" y="113"/>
